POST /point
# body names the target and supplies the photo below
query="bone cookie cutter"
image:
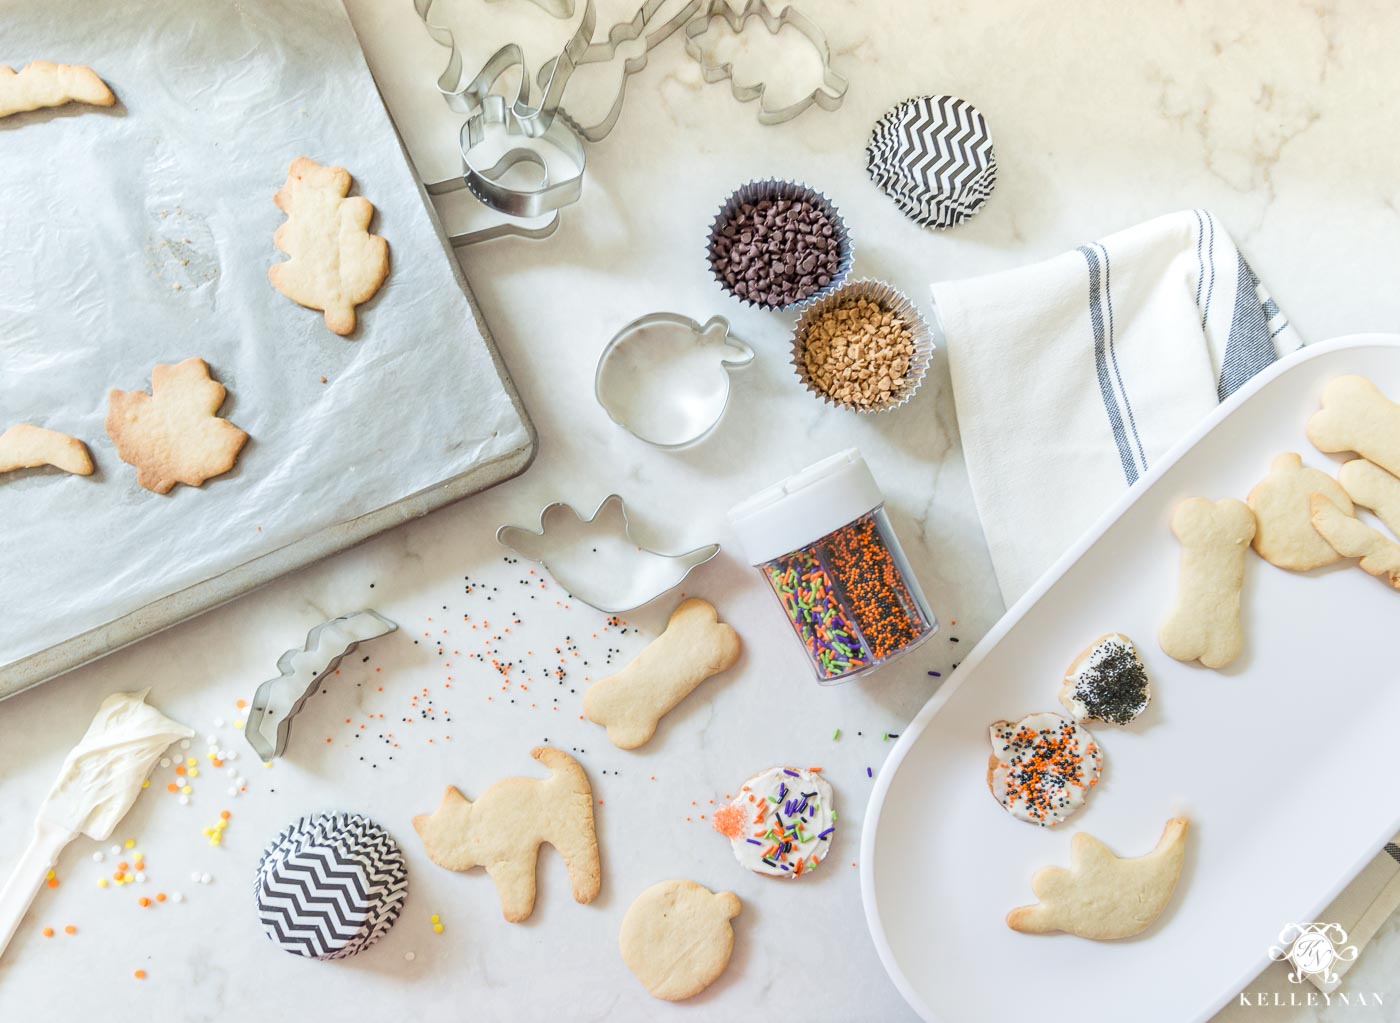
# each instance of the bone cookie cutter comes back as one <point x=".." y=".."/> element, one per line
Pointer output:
<point x="277" y="701"/>
<point x="596" y="558"/>
<point x="828" y="95"/>
<point x="664" y="378"/>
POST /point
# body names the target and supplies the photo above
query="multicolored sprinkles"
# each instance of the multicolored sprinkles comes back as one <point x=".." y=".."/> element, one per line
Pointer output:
<point x="781" y="822"/>
<point x="1043" y="767"/>
<point x="847" y="598"/>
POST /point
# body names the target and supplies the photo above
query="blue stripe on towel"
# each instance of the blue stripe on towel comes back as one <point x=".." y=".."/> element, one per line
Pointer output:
<point x="1210" y="261"/>
<point x="1110" y="402"/>
<point x="1113" y="352"/>
<point x="1394" y="850"/>
<point x="1200" y="264"/>
<point x="1250" y="345"/>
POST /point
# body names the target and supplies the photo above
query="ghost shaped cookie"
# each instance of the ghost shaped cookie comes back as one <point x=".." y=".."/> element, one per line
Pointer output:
<point x="1284" y="534"/>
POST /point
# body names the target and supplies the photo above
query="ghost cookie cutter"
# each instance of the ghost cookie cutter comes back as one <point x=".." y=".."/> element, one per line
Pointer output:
<point x="828" y="95"/>
<point x="278" y="700"/>
<point x="596" y="558"/>
<point x="664" y="378"/>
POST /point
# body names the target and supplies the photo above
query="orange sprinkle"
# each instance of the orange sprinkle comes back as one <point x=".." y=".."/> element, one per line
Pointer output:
<point x="172" y="787"/>
<point x="180" y="769"/>
<point x="140" y="974"/>
<point x="240" y="704"/>
<point x="143" y="902"/>
<point x="225" y="814"/>
<point x="52" y="882"/>
<point x="70" y="929"/>
<point x="160" y="896"/>
<point x="47" y="932"/>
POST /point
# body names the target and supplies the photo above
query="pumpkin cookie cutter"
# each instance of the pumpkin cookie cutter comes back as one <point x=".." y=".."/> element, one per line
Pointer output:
<point x="665" y="378"/>
<point x="828" y="95"/>
<point x="597" y="560"/>
<point x="269" y="721"/>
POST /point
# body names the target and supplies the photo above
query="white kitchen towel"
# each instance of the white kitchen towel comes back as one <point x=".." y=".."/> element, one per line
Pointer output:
<point x="1072" y="376"/>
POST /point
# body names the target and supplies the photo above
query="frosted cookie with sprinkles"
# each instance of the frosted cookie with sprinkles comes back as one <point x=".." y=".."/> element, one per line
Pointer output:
<point x="781" y="822"/>
<point x="1107" y="682"/>
<point x="1042" y="767"/>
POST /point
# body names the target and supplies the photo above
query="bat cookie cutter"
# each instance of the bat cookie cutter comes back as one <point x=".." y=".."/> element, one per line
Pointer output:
<point x="828" y="95"/>
<point x="278" y="700"/>
<point x="597" y="560"/>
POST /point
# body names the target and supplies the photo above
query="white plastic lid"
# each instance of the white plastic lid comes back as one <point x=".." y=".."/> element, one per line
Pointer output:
<point x="805" y="507"/>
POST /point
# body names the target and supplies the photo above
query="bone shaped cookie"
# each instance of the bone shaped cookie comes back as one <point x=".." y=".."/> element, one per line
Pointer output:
<point x="1204" y="623"/>
<point x="694" y="646"/>
<point x="504" y="829"/>
<point x="1101" y="896"/>
<point x="1356" y="416"/>
<point x="1354" y="539"/>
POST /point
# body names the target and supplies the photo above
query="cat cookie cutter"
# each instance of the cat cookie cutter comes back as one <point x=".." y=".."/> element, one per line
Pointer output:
<point x="597" y="560"/>
<point x="277" y="701"/>
<point x="828" y="95"/>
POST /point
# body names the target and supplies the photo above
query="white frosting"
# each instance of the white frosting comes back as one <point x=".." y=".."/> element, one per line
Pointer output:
<point x="103" y="774"/>
<point x="1045" y="766"/>
<point x="796" y="807"/>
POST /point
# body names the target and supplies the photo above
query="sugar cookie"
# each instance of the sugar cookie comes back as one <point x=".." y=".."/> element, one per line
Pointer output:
<point x="1107" y="682"/>
<point x="335" y="263"/>
<point x="43" y="84"/>
<point x="27" y="447"/>
<point x="1372" y="487"/>
<point x="1101" y="896"/>
<point x="1204" y="623"/>
<point x="1379" y="554"/>
<point x="1356" y="416"/>
<point x="781" y="822"/>
<point x="1042" y="767"/>
<point x="503" y="830"/>
<point x="676" y="938"/>
<point x="173" y="434"/>
<point x="1284" y="535"/>
<point x="694" y="646"/>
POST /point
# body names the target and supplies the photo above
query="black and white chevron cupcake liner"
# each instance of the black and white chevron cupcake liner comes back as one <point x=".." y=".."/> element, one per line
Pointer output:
<point x="933" y="155"/>
<point x="330" y="886"/>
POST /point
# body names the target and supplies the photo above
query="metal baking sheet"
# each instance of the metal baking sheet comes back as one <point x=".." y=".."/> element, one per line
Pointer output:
<point x="142" y="234"/>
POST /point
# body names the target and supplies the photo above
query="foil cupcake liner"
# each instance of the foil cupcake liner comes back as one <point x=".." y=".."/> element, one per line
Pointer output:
<point x="888" y="298"/>
<point x="776" y="188"/>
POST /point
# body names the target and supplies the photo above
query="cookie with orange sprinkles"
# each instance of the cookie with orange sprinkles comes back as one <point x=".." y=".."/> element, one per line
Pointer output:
<point x="1042" y="767"/>
<point x="781" y="822"/>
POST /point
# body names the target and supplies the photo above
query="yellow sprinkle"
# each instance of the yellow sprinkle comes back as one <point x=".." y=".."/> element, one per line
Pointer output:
<point x="267" y="763"/>
<point x="190" y="761"/>
<point x="102" y="882"/>
<point x="437" y="928"/>
<point x="186" y="790"/>
<point x="49" y="876"/>
<point x="194" y="772"/>
<point x="130" y="843"/>
<point x="238" y="724"/>
<point x="146" y="784"/>
<point x="434" y="918"/>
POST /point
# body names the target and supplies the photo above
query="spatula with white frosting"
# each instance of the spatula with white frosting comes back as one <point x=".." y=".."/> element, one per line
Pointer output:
<point x="96" y="786"/>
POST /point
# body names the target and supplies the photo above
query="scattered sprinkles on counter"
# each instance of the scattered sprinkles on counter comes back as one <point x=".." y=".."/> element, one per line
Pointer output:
<point x="1046" y="766"/>
<point x="781" y="822"/>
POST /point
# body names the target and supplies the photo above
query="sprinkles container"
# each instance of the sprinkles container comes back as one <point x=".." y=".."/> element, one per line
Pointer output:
<point x="824" y="543"/>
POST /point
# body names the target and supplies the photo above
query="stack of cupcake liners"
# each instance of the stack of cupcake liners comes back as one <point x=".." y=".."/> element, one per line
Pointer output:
<point x="933" y="156"/>
<point x="330" y="886"/>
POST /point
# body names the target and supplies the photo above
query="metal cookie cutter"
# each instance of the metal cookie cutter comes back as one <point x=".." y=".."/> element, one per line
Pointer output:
<point x="278" y="700"/>
<point x="597" y="560"/>
<point x="828" y="95"/>
<point x="665" y="378"/>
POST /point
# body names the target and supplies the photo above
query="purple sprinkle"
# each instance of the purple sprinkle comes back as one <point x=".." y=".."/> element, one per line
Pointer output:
<point x="936" y="674"/>
<point x="753" y="841"/>
<point x="827" y="832"/>
<point x="869" y="773"/>
<point x="790" y="771"/>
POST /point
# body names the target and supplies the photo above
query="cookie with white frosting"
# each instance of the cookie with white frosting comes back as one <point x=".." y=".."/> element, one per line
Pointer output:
<point x="781" y="822"/>
<point x="1107" y="682"/>
<point x="1042" y="767"/>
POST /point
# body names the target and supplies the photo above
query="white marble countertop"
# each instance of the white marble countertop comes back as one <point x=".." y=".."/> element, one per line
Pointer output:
<point x="1281" y="119"/>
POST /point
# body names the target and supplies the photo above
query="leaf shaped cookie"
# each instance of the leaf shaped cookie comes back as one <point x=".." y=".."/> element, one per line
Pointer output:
<point x="335" y="262"/>
<point x="173" y="434"/>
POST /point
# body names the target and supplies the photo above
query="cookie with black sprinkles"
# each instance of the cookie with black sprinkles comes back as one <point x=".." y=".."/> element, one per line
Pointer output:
<point x="1107" y="682"/>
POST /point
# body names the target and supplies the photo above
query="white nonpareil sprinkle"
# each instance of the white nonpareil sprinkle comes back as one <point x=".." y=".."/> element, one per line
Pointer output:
<point x="218" y="722"/>
<point x="231" y="755"/>
<point x="410" y="956"/>
<point x="232" y="772"/>
<point x="164" y="761"/>
<point x="140" y="877"/>
<point x="195" y="877"/>
<point x="233" y="791"/>
<point x="98" y="857"/>
<point x="205" y="879"/>
<point x="212" y="741"/>
<point x="184" y="800"/>
<point x="116" y="850"/>
<point x="178" y="897"/>
<point x="184" y="744"/>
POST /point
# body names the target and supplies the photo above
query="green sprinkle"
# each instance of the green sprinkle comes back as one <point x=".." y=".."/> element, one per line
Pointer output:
<point x="836" y="735"/>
